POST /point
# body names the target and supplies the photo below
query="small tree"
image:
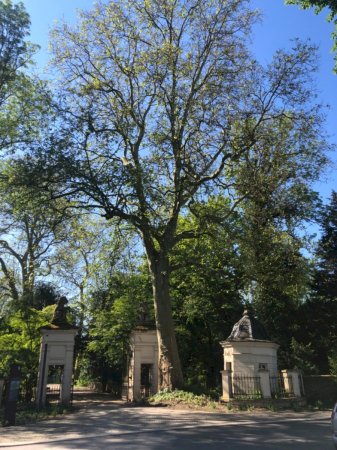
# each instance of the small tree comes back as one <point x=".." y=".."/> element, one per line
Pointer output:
<point x="20" y="339"/>
<point x="28" y="232"/>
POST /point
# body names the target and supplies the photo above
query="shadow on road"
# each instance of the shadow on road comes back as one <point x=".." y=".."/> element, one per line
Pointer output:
<point x="100" y="422"/>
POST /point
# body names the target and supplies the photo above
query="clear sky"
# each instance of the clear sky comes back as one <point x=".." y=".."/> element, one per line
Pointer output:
<point x="280" y="24"/>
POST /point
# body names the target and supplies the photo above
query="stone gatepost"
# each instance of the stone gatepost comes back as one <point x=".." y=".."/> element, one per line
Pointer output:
<point x="227" y="386"/>
<point x="142" y="378"/>
<point x="57" y="349"/>
<point x="265" y="383"/>
<point x="295" y="377"/>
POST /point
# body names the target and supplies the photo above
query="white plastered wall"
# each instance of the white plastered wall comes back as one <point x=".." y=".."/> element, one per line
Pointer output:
<point x="246" y="357"/>
<point x="144" y="350"/>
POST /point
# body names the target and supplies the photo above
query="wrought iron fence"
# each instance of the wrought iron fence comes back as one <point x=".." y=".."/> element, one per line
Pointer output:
<point x="281" y="386"/>
<point x="246" y="387"/>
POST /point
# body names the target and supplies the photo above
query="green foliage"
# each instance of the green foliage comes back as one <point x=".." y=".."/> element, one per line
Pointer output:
<point x="325" y="279"/>
<point x="205" y="282"/>
<point x="25" y="115"/>
<point x="111" y="329"/>
<point x="20" y="339"/>
<point x="320" y="309"/>
<point x="333" y="365"/>
<point x="31" y="227"/>
<point x="92" y="251"/>
<point x="15" y="51"/>
<point x="22" y="98"/>
<point x="278" y="286"/>
<point x="317" y="331"/>
<point x="302" y="357"/>
<point x="318" y="4"/>
<point x="275" y="180"/>
<point x="183" y="397"/>
<point x="113" y="315"/>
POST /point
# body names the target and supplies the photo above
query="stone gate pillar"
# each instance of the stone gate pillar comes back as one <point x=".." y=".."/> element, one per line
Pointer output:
<point x="295" y="383"/>
<point x="57" y="349"/>
<point x="142" y="378"/>
<point x="227" y="386"/>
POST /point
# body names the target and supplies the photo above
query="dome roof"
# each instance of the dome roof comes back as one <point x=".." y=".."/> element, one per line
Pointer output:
<point x="248" y="328"/>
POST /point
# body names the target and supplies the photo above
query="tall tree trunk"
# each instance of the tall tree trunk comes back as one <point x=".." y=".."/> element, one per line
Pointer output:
<point x="171" y="376"/>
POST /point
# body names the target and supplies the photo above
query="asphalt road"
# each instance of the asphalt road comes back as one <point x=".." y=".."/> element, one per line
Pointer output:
<point x="114" y="426"/>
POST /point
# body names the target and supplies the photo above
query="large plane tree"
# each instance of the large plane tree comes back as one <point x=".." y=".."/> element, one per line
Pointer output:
<point x="160" y="99"/>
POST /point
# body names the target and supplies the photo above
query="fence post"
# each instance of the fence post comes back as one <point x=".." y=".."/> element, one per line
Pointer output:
<point x="295" y="377"/>
<point x="287" y="386"/>
<point x="12" y="396"/>
<point x="265" y="383"/>
<point x="227" y="387"/>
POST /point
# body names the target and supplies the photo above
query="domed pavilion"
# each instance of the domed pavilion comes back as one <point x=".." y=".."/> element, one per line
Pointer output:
<point x="248" y="348"/>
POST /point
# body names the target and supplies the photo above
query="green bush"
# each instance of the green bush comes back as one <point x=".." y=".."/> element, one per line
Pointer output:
<point x="184" y="397"/>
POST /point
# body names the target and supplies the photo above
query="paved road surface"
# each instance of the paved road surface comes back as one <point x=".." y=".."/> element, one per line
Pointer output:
<point x="112" y="425"/>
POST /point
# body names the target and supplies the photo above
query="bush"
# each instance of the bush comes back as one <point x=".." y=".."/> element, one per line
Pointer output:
<point x="184" y="397"/>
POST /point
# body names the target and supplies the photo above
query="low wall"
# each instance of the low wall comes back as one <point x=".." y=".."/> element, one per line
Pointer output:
<point x="276" y="404"/>
<point x="320" y="388"/>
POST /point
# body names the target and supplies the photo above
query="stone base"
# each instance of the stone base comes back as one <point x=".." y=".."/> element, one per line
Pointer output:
<point x="268" y="403"/>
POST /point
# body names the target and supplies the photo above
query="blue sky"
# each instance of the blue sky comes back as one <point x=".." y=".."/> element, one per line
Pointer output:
<point x="280" y="24"/>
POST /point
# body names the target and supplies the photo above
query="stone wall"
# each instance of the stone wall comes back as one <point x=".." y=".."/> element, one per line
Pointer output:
<point x="320" y="388"/>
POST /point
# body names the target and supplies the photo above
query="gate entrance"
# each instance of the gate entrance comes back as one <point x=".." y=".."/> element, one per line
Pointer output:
<point x="146" y="379"/>
<point x="141" y="379"/>
<point x="54" y="382"/>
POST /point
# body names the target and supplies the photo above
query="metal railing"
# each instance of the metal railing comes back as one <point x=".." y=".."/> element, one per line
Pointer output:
<point x="281" y="386"/>
<point x="247" y="387"/>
